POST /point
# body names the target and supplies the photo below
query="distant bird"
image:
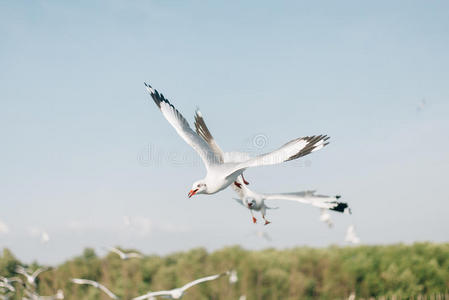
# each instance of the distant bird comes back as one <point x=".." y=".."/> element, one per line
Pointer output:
<point x="178" y="292"/>
<point x="45" y="237"/>
<point x="30" y="277"/>
<point x="242" y="297"/>
<point x="352" y="296"/>
<point x="125" y="256"/>
<point x="325" y="217"/>
<point x="422" y="105"/>
<point x="7" y="283"/>
<point x="222" y="171"/>
<point x="233" y="277"/>
<point x="351" y="236"/>
<point x="96" y="285"/>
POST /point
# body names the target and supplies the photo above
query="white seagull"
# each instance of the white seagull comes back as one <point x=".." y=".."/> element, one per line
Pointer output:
<point x="7" y="283"/>
<point x="222" y="170"/>
<point x="178" y="292"/>
<point x="233" y="277"/>
<point x="96" y="285"/>
<point x="125" y="256"/>
<point x="351" y="236"/>
<point x="31" y="278"/>
<point x="255" y="201"/>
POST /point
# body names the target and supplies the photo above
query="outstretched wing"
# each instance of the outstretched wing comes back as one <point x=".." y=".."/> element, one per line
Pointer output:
<point x="84" y="281"/>
<point x="38" y="271"/>
<point x="107" y="291"/>
<point x="203" y="131"/>
<point x="181" y="126"/>
<point x="21" y="270"/>
<point x="204" y="279"/>
<point x="116" y="251"/>
<point x="134" y="255"/>
<point x="292" y="150"/>
<point x="309" y="197"/>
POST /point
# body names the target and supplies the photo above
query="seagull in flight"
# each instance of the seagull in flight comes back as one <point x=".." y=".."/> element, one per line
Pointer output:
<point x="223" y="170"/>
<point x="351" y="236"/>
<point x="256" y="201"/>
<point x="30" y="277"/>
<point x="125" y="256"/>
<point x="233" y="277"/>
<point x="7" y="283"/>
<point x="96" y="285"/>
<point x="177" y="293"/>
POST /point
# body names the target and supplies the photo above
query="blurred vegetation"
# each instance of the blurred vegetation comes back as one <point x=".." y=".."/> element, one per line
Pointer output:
<point x="402" y="271"/>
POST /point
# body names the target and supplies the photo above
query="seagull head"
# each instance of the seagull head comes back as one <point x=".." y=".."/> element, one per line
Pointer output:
<point x="199" y="187"/>
<point x="251" y="202"/>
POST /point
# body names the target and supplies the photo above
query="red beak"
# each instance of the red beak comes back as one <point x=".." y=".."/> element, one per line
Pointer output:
<point x="192" y="192"/>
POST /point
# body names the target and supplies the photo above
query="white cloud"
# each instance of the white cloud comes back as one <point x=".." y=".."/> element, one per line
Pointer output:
<point x="4" y="229"/>
<point x="143" y="226"/>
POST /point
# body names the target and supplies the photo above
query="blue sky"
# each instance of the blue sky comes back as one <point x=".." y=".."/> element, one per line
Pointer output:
<point x="77" y="125"/>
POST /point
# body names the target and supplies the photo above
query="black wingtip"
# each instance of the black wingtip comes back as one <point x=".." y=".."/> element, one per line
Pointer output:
<point x="341" y="207"/>
<point x="312" y="144"/>
<point x="157" y="98"/>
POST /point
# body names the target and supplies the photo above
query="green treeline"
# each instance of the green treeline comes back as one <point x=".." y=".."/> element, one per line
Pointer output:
<point x="299" y="273"/>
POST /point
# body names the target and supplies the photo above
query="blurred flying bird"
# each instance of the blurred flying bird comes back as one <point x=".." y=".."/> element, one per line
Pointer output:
<point x="223" y="169"/>
<point x="256" y="201"/>
<point x="351" y="236"/>
<point x="45" y="237"/>
<point x="179" y="292"/>
<point x="30" y="277"/>
<point x="124" y="255"/>
<point x="7" y="283"/>
<point x="422" y="105"/>
<point x="96" y="285"/>
<point x="233" y="278"/>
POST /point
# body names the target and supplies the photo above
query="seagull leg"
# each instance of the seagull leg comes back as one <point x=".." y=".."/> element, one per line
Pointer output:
<point x="239" y="185"/>
<point x="244" y="181"/>
<point x="252" y="215"/>
<point x="266" y="221"/>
